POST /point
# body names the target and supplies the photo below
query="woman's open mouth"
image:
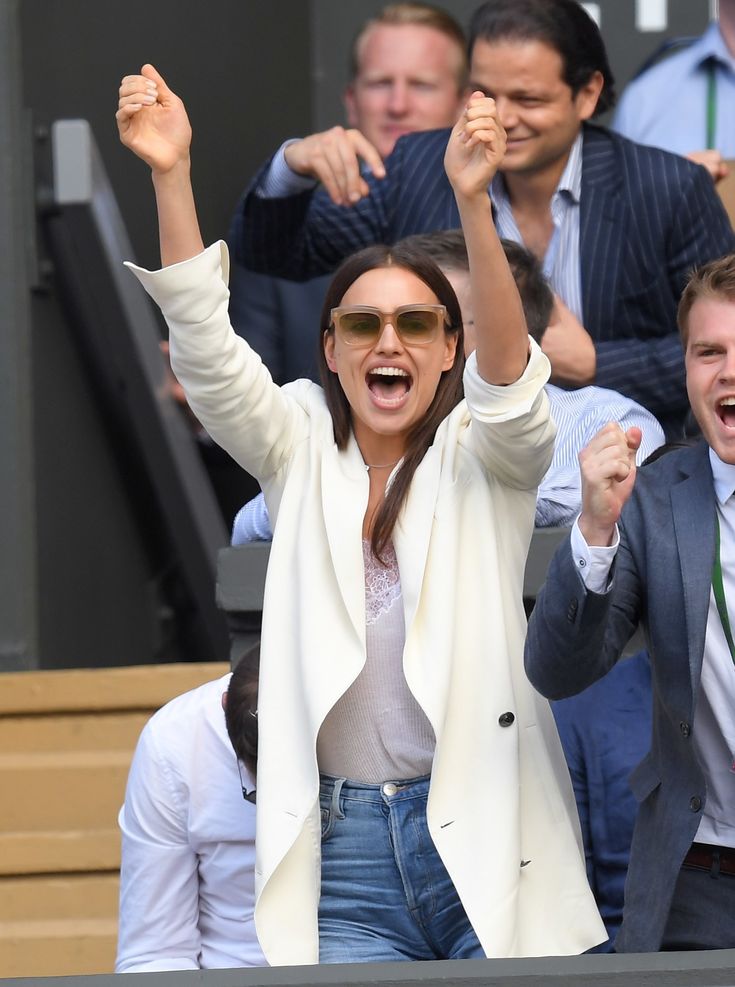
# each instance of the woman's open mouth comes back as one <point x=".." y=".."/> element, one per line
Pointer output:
<point x="389" y="386"/>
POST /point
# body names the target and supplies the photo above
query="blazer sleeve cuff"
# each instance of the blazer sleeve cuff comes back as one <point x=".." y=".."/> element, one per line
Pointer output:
<point x="184" y="291"/>
<point x="497" y="403"/>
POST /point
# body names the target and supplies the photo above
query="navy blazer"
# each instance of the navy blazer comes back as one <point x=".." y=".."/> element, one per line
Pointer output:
<point x="647" y="217"/>
<point x="662" y="576"/>
<point x="280" y="319"/>
<point x="601" y="751"/>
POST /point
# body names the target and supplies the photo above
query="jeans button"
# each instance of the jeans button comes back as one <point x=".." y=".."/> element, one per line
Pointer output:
<point x="389" y="788"/>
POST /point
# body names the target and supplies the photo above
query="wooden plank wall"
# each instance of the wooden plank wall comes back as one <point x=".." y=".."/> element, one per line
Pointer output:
<point x="66" y="740"/>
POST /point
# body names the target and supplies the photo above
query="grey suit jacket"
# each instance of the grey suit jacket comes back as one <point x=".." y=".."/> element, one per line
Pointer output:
<point x="662" y="576"/>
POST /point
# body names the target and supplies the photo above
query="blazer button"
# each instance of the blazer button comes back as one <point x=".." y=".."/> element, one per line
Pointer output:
<point x="695" y="803"/>
<point x="572" y="610"/>
<point x="685" y="728"/>
<point x="506" y="719"/>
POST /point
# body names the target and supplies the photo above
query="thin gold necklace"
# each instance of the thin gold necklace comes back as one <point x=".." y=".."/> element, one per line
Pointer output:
<point x="380" y="466"/>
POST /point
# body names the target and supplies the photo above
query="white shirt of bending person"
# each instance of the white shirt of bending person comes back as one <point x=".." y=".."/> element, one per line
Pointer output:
<point x="188" y="845"/>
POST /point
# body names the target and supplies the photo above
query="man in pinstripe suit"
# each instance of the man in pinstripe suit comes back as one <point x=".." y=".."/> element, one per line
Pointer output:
<point x="617" y="225"/>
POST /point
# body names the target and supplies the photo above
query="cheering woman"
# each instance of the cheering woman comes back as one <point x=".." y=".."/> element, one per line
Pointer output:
<point x="412" y="798"/>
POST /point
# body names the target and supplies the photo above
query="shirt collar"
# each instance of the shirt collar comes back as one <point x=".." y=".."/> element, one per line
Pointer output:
<point x="723" y="477"/>
<point x="571" y="177"/>
<point x="712" y="45"/>
<point x="570" y="180"/>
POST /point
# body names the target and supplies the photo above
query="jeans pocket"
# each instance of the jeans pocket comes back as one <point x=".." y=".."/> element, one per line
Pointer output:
<point x="327" y="822"/>
<point x="331" y="809"/>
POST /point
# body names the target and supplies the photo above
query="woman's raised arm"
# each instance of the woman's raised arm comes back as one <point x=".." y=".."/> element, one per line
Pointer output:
<point x="475" y="150"/>
<point x="152" y="122"/>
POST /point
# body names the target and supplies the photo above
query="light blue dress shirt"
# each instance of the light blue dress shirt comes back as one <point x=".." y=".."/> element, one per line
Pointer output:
<point x="561" y="263"/>
<point x="666" y="106"/>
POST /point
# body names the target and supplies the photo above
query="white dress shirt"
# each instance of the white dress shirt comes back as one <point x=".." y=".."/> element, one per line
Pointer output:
<point x="188" y="845"/>
<point x="714" y="724"/>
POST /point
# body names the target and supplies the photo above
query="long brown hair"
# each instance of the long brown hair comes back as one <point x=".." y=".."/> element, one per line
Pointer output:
<point x="449" y="390"/>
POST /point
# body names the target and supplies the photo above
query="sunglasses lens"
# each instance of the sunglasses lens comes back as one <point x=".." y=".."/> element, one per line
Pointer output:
<point x="418" y="326"/>
<point x="359" y="326"/>
<point x="362" y="327"/>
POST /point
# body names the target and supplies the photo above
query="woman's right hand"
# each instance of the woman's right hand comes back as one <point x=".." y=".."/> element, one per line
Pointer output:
<point x="152" y="120"/>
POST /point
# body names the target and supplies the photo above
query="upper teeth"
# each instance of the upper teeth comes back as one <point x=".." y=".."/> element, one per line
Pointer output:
<point x="728" y="401"/>
<point x="390" y="371"/>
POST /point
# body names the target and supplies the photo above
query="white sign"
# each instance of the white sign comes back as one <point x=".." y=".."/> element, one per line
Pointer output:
<point x="651" y="15"/>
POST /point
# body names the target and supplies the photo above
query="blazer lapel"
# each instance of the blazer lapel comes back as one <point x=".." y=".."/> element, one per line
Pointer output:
<point x="693" y="510"/>
<point x="601" y="231"/>
<point x="345" y="487"/>
<point x="411" y="542"/>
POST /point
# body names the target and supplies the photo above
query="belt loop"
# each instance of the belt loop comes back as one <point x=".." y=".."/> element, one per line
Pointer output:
<point x="335" y="807"/>
<point x="714" y="870"/>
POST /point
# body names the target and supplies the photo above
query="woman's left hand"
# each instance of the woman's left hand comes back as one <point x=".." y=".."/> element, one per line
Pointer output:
<point x="476" y="147"/>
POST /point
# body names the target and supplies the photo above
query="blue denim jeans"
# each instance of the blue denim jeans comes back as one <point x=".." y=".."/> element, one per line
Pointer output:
<point x="385" y="893"/>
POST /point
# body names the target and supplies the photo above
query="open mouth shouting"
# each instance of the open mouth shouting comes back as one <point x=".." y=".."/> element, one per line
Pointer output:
<point x="726" y="411"/>
<point x="390" y="386"/>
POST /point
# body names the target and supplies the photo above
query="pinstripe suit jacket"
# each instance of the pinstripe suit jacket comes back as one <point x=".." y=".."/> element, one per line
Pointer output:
<point x="662" y="577"/>
<point x="647" y="217"/>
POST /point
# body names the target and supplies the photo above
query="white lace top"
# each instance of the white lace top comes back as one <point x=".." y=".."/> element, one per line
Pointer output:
<point x="377" y="731"/>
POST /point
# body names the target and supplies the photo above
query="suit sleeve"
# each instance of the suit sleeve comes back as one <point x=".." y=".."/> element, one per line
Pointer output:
<point x="650" y="368"/>
<point x="304" y="235"/>
<point x="574" y="635"/>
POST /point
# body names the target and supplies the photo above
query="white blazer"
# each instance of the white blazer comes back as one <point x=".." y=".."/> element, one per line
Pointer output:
<point x="500" y="809"/>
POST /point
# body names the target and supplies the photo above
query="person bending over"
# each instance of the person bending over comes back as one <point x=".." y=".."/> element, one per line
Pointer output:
<point x="188" y="835"/>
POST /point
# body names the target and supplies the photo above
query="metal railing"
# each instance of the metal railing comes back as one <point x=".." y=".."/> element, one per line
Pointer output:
<point x="696" y="969"/>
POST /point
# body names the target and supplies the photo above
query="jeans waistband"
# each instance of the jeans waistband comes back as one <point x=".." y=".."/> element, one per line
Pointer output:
<point x="334" y="787"/>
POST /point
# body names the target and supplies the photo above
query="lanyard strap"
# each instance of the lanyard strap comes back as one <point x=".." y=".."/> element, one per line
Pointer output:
<point x="711" y="102"/>
<point x="719" y="591"/>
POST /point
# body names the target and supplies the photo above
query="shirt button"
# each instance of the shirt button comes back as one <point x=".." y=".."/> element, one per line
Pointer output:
<point x="582" y="563"/>
<point x="685" y="728"/>
<point x="506" y="719"/>
<point x="389" y="788"/>
<point x="695" y="803"/>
